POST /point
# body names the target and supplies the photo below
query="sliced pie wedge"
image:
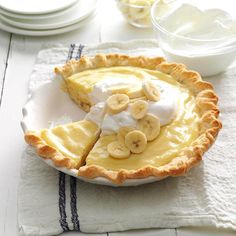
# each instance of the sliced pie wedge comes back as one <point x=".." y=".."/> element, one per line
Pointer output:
<point x="66" y="145"/>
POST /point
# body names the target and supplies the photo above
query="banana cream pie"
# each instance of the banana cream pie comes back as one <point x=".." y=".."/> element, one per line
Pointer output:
<point x="145" y="117"/>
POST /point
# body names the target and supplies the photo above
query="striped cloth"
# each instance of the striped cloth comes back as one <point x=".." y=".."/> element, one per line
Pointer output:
<point x="62" y="176"/>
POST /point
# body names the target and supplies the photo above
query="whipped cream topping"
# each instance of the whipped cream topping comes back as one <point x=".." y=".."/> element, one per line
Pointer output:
<point x="165" y="109"/>
<point x="96" y="113"/>
<point x="102" y="89"/>
<point x="112" y="123"/>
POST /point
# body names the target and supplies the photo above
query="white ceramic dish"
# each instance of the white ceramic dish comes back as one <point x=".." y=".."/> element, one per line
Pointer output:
<point x="51" y="94"/>
<point x="15" y="30"/>
<point x="72" y="15"/>
<point x="209" y="46"/>
<point x="36" y="16"/>
<point x="206" y="65"/>
<point x="35" y="7"/>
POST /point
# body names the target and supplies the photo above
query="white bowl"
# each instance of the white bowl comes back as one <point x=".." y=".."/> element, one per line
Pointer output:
<point x="208" y="56"/>
<point x="206" y="65"/>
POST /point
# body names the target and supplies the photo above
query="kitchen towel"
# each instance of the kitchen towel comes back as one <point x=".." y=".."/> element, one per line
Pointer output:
<point x="50" y="202"/>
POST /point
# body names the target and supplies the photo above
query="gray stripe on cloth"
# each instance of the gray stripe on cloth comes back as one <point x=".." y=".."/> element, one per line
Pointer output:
<point x="73" y="202"/>
<point x="62" y="202"/>
<point x="73" y="205"/>
<point x="62" y="176"/>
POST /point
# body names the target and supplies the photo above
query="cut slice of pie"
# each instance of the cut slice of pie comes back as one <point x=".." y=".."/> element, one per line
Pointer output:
<point x="175" y="103"/>
<point x="66" y="145"/>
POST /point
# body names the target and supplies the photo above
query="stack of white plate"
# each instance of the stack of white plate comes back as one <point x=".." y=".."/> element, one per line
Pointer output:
<point x="45" y="17"/>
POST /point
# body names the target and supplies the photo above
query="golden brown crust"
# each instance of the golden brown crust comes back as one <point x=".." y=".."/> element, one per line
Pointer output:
<point x="206" y="101"/>
<point x="48" y="152"/>
<point x="108" y="60"/>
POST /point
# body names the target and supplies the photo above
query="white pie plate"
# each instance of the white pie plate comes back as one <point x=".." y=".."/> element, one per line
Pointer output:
<point x="35" y="7"/>
<point x="71" y="15"/>
<point x="60" y="109"/>
<point x="16" y="30"/>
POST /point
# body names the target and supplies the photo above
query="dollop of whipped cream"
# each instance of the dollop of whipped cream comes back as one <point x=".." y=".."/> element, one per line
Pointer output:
<point x="112" y="123"/>
<point x="97" y="113"/>
<point x="165" y="109"/>
<point x="103" y="89"/>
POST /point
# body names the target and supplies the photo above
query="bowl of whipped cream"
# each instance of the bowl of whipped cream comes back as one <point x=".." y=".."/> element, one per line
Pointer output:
<point x="201" y="34"/>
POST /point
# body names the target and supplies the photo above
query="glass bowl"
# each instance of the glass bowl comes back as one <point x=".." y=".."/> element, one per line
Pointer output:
<point x="201" y="51"/>
<point x="136" y="12"/>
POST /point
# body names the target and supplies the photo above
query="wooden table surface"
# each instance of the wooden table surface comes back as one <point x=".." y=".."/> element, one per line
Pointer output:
<point x="17" y="57"/>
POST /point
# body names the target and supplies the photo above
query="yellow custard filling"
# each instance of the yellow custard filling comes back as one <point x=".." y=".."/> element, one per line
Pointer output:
<point x="86" y="80"/>
<point x="172" y="139"/>
<point x="180" y="133"/>
<point x="74" y="140"/>
<point x="81" y="85"/>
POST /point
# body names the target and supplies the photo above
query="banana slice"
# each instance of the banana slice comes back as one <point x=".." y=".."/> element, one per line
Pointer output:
<point x="122" y="133"/>
<point x="136" y="141"/>
<point x="139" y="109"/>
<point x="118" y="150"/>
<point x="133" y="100"/>
<point x="119" y="89"/>
<point x="117" y="103"/>
<point x="151" y="91"/>
<point x="139" y="10"/>
<point x="135" y="93"/>
<point x="150" y="126"/>
<point x="131" y="93"/>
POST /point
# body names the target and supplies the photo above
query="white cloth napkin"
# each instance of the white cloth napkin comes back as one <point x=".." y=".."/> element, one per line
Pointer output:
<point x="51" y="202"/>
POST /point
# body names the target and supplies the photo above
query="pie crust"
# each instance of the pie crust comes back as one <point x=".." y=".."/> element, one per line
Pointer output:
<point x="206" y="101"/>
